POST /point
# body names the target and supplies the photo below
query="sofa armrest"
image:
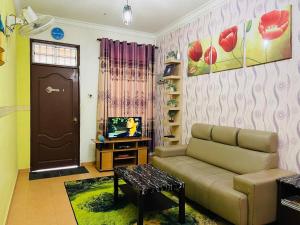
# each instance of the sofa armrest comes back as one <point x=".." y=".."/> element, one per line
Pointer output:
<point x="170" y="151"/>
<point x="261" y="189"/>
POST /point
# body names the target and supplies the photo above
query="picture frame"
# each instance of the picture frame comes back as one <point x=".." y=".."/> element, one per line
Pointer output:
<point x="229" y="49"/>
<point x="169" y="70"/>
<point x="199" y="54"/>
<point x="265" y="45"/>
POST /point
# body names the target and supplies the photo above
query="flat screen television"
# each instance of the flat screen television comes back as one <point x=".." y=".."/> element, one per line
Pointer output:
<point x="124" y="127"/>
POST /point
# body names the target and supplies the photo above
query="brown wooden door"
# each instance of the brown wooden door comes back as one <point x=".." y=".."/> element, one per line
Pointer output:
<point x="54" y="116"/>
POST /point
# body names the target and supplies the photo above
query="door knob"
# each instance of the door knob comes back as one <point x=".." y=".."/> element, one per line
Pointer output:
<point x="75" y="120"/>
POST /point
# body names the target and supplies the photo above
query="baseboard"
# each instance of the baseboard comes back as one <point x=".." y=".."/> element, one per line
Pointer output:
<point x="11" y="198"/>
<point x="24" y="170"/>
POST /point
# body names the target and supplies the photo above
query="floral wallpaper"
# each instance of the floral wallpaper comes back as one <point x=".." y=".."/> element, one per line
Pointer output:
<point x="264" y="97"/>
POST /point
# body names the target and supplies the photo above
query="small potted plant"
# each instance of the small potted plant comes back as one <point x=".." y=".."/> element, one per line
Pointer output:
<point x="172" y="87"/>
<point x="172" y="103"/>
<point x="172" y="55"/>
<point x="172" y="115"/>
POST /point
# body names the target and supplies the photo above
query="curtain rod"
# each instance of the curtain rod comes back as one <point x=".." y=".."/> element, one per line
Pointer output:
<point x="128" y="43"/>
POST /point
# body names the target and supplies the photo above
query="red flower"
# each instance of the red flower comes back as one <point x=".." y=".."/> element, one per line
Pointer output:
<point x="273" y="24"/>
<point x="211" y="51"/>
<point x="195" y="51"/>
<point x="228" y="39"/>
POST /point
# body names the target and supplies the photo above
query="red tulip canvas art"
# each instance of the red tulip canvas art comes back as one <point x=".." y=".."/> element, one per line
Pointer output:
<point x="228" y="45"/>
<point x="195" y="51"/>
<point x="269" y="37"/>
<point x="228" y="39"/>
<point x="210" y="55"/>
<point x="273" y="24"/>
<point x="198" y="64"/>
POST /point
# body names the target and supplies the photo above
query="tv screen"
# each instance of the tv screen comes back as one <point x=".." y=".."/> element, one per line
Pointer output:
<point x="124" y="127"/>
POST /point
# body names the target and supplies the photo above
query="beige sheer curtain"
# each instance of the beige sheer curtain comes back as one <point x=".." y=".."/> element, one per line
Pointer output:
<point x="125" y="83"/>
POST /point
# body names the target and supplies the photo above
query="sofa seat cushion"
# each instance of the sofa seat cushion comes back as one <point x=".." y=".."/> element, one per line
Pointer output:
<point x="227" y="202"/>
<point x="202" y="181"/>
<point x="180" y="166"/>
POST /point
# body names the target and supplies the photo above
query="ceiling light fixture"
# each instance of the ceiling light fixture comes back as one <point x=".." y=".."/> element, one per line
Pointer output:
<point x="127" y="14"/>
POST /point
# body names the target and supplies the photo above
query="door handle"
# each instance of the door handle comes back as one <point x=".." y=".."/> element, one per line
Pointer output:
<point x="50" y="89"/>
<point x="75" y="120"/>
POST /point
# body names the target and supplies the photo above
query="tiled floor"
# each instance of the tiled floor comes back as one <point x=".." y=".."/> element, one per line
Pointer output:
<point x="44" y="202"/>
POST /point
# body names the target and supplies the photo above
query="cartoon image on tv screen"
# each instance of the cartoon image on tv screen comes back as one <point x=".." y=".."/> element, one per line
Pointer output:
<point x="119" y="127"/>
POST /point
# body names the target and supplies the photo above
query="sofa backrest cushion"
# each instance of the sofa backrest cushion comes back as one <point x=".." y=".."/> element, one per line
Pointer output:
<point x="232" y="158"/>
<point x="258" y="140"/>
<point x="202" y="131"/>
<point x="225" y="135"/>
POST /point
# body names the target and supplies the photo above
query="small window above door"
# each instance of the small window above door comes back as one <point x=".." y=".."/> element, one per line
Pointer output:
<point x="45" y="53"/>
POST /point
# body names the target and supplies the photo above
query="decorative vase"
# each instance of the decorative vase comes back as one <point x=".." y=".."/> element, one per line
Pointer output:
<point x="101" y="138"/>
<point x="178" y="55"/>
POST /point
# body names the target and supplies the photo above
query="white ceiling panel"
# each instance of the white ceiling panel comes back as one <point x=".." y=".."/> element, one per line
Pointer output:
<point x="148" y="15"/>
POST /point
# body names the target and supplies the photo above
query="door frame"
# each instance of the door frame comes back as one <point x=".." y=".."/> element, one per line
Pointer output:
<point x="32" y="40"/>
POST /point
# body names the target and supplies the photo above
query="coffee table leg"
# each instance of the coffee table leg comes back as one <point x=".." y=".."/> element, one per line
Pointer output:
<point x="140" y="209"/>
<point x="116" y="187"/>
<point x="182" y="205"/>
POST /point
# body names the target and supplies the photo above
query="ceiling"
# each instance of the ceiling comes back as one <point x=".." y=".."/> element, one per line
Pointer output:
<point x="148" y="15"/>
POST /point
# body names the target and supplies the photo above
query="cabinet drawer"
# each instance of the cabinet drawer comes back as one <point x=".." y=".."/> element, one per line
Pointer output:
<point x="106" y="160"/>
<point x="142" y="156"/>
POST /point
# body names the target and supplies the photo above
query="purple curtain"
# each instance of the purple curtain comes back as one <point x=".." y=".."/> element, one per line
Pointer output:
<point x="126" y="83"/>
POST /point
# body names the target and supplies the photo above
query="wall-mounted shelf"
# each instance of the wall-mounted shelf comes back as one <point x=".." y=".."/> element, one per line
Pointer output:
<point x="173" y="93"/>
<point x="173" y="108"/>
<point x="172" y="61"/>
<point x="172" y="77"/>
<point x="174" y="127"/>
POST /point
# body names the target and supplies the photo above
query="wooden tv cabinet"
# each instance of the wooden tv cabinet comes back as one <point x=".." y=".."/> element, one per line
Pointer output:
<point x="121" y="152"/>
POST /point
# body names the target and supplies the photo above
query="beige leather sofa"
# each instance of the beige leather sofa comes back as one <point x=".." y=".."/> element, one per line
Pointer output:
<point x="229" y="171"/>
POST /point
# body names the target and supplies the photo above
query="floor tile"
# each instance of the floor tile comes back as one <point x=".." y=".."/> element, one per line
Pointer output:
<point x="44" y="201"/>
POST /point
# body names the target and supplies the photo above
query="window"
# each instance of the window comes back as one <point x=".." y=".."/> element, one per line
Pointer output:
<point x="54" y="54"/>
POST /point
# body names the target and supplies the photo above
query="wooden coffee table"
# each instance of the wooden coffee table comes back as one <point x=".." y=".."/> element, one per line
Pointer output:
<point x="146" y="180"/>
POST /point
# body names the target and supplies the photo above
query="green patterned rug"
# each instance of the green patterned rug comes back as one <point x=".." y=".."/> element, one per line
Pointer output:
<point x="92" y="203"/>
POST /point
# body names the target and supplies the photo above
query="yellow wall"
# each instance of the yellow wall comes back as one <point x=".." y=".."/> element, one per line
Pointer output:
<point x="23" y="101"/>
<point x="8" y="118"/>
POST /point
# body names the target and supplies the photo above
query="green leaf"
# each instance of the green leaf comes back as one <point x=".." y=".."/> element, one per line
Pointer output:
<point x="249" y="25"/>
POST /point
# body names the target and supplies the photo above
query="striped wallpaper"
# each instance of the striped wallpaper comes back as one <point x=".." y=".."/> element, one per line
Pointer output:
<point x="265" y="97"/>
